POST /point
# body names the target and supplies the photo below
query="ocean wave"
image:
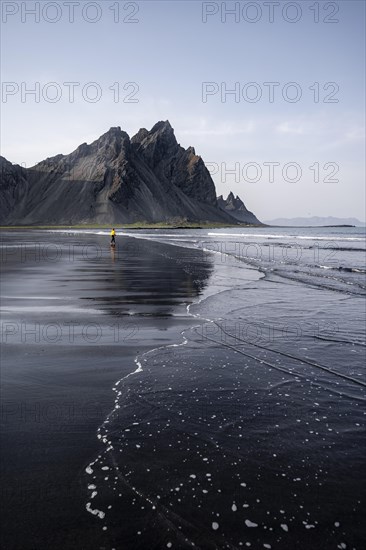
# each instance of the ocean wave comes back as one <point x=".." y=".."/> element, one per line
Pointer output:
<point x="341" y="268"/>
<point x="291" y="236"/>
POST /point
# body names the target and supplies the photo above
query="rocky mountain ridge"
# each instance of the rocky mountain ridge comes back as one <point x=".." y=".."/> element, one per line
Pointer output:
<point x="115" y="179"/>
<point x="235" y="207"/>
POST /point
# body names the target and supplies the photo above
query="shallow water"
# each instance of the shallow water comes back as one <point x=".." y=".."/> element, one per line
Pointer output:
<point x="245" y="433"/>
<point x="239" y="421"/>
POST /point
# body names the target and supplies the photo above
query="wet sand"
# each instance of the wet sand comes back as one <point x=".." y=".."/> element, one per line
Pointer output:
<point x="74" y="316"/>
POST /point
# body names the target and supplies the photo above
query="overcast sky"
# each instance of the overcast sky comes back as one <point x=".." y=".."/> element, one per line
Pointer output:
<point x="291" y="132"/>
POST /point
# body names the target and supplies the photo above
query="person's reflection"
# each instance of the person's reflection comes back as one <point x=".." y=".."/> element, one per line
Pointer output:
<point x="113" y="254"/>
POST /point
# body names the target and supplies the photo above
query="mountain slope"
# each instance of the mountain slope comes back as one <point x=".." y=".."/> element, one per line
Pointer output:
<point x="13" y="188"/>
<point x="113" y="180"/>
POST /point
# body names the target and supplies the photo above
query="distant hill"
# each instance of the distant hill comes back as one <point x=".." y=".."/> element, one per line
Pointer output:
<point x="115" y="179"/>
<point x="315" y="221"/>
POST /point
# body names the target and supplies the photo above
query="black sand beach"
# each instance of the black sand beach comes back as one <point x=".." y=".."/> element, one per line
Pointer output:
<point x="240" y="427"/>
<point x="60" y="359"/>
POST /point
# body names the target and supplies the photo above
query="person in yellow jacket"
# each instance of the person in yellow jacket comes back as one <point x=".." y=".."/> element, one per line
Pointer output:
<point x="113" y="237"/>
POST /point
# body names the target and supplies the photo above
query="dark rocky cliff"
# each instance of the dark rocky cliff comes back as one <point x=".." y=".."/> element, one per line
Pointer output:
<point x="113" y="180"/>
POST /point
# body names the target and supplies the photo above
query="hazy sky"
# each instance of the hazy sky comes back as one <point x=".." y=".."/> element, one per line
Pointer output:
<point x="295" y="69"/>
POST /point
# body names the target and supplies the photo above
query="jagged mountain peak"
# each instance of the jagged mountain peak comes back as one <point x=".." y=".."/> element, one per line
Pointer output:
<point x="232" y="202"/>
<point x="236" y="208"/>
<point x="162" y="126"/>
<point x="141" y="135"/>
<point x="230" y="198"/>
<point x="161" y="132"/>
<point x="114" y="134"/>
<point x="5" y="163"/>
<point x="157" y="145"/>
<point x="108" y="148"/>
<point x="235" y="201"/>
<point x="113" y="131"/>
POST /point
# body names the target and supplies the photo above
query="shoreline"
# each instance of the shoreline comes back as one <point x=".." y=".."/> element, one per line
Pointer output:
<point x="142" y="227"/>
